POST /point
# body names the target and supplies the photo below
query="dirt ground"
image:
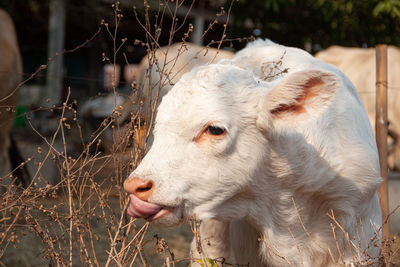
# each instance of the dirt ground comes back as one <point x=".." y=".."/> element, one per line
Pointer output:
<point x="31" y="252"/>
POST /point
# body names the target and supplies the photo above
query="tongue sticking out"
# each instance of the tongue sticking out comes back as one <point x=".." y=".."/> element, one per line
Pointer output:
<point x="142" y="209"/>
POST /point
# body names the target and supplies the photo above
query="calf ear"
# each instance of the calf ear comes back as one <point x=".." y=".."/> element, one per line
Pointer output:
<point x="301" y="95"/>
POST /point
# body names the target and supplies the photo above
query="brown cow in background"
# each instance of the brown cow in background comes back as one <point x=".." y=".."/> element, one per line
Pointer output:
<point x="10" y="77"/>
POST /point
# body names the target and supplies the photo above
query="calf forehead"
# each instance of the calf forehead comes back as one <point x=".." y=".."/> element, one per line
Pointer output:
<point x="207" y="93"/>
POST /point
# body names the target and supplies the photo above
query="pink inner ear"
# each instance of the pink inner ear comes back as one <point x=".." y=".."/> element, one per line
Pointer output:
<point x="309" y="90"/>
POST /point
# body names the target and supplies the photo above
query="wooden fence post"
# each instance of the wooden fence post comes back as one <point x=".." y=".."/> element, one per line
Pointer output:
<point x="381" y="124"/>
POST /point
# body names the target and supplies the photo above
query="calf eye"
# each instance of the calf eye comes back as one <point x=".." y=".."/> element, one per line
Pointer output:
<point x="215" y="130"/>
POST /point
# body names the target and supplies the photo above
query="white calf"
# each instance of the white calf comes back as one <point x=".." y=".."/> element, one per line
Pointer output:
<point x="273" y="149"/>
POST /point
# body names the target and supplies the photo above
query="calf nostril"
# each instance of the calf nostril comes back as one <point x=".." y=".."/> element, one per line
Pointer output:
<point x="142" y="189"/>
<point x="145" y="187"/>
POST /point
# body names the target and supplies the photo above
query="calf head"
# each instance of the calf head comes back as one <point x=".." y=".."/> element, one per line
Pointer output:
<point x="213" y="135"/>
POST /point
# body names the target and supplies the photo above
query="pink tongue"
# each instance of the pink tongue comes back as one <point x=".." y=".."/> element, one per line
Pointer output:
<point x="141" y="209"/>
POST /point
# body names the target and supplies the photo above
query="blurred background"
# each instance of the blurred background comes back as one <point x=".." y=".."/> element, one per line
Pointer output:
<point x="311" y="25"/>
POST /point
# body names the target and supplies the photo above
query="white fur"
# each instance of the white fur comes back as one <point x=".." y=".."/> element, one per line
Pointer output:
<point x="272" y="180"/>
